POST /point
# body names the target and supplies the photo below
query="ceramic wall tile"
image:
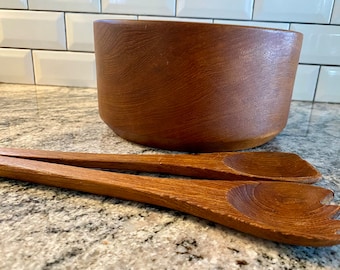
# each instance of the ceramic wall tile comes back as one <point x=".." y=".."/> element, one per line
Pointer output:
<point x="16" y="66"/>
<point x="328" y="89"/>
<point x="336" y="13"/>
<point x="284" y="26"/>
<point x="321" y="43"/>
<point x="228" y="9"/>
<point x="66" y="5"/>
<point x="142" y="7"/>
<point x="64" y="68"/>
<point x="313" y="11"/>
<point x="32" y="29"/>
<point x="15" y="4"/>
<point x="79" y="29"/>
<point x="305" y="82"/>
<point x="176" y="19"/>
<point x="60" y="33"/>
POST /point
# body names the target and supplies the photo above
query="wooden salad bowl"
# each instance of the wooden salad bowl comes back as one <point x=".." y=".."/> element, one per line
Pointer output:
<point x="194" y="86"/>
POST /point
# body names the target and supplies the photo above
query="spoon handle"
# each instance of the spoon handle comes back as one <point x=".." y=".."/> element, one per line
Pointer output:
<point x="274" y="166"/>
<point x="200" y="166"/>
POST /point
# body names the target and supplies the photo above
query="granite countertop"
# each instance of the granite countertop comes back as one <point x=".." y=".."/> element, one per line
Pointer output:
<point x="51" y="228"/>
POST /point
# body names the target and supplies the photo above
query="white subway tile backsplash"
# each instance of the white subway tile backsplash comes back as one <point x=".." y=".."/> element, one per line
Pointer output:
<point x="284" y="26"/>
<point x="65" y="68"/>
<point x="15" y="4"/>
<point x="143" y="7"/>
<point x="66" y="5"/>
<point x="305" y="82"/>
<point x="311" y="11"/>
<point x="60" y="33"/>
<point x="32" y="29"/>
<point x="176" y="19"/>
<point x="79" y="29"/>
<point x="229" y="9"/>
<point x="16" y="66"/>
<point x="328" y="89"/>
<point x="336" y="13"/>
<point x="321" y="43"/>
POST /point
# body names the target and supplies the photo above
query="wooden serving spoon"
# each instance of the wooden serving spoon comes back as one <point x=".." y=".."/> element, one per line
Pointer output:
<point x="228" y="166"/>
<point x="291" y="213"/>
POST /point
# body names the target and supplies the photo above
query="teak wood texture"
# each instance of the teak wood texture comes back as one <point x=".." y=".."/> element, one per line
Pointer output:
<point x="285" y="212"/>
<point x="272" y="166"/>
<point x="194" y="87"/>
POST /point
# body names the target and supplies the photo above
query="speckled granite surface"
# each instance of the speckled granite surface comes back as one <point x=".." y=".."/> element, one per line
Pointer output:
<point x="50" y="228"/>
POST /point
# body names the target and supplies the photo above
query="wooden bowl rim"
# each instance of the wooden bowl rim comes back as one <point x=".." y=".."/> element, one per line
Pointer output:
<point x="199" y="24"/>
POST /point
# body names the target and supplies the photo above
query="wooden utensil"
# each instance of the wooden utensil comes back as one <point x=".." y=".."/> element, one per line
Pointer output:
<point x="228" y="166"/>
<point x="194" y="87"/>
<point x="291" y="213"/>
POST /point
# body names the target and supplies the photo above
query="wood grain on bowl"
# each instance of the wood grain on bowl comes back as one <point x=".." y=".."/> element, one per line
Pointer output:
<point x="193" y="86"/>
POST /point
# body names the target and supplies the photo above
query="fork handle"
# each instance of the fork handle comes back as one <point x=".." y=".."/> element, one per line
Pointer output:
<point x="196" y="197"/>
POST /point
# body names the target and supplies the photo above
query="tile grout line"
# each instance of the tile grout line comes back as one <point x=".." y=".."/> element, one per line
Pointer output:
<point x="252" y="12"/>
<point x="331" y="13"/>
<point x="65" y="32"/>
<point x="316" y="84"/>
<point x="33" y="67"/>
